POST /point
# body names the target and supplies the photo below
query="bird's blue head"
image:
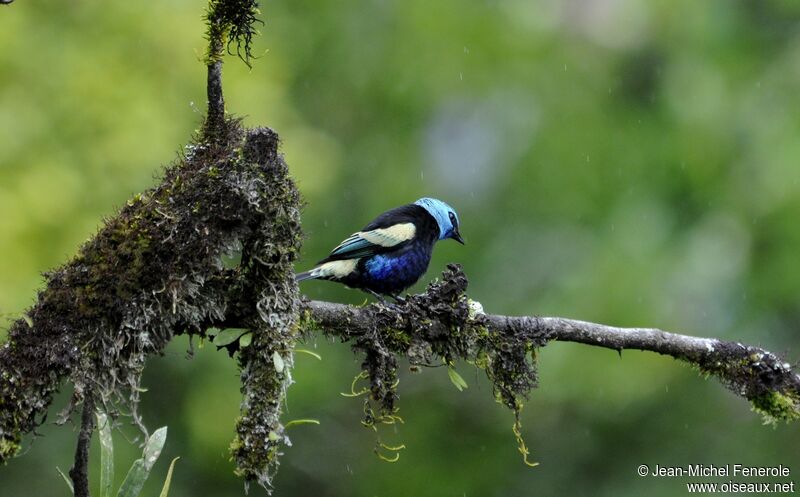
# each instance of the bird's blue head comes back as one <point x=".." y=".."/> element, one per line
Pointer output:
<point x="445" y="216"/>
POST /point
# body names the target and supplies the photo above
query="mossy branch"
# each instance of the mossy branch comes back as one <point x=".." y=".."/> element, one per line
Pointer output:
<point x="444" y="321"/>
<point x="154" y="271"/>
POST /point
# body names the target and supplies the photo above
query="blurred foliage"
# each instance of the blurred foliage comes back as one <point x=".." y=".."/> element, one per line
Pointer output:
<point x="626" y="161"/>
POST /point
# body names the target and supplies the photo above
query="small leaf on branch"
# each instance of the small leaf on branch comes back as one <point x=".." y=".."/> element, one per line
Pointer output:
<point x="106" y="454"/>
<point x="66" y="479"/>
<point x="277" y="360"/>
<point x="296" y="422"/>
<point x="456" y="379"/>
<point x="312" y="354"/>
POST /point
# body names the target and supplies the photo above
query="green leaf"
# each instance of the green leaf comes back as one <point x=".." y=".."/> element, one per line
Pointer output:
<point x="296" y="422"/>
<point x="312" y="354"/>
<point x="106" y="454"/>
<point x="245" y="340"/>
<point x="140" y="470"/>
<point x="456" y="379"/>
<point x="228" y="336"/>
<point x="69" y="482"/>
<point x="232" y="260"/>
<point x="134" y="480"/>
<point x="152" y="448"/>
<point x="165" y="488"/>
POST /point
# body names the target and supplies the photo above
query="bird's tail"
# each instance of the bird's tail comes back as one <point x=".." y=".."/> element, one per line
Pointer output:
<point x="331" y="270"/>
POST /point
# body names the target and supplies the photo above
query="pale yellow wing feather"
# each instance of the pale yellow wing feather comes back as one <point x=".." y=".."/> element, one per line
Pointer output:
<point x="391" y="236"/>
<point x="384" y="237"/>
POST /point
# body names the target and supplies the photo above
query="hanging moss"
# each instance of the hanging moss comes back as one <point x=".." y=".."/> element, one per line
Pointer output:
<point x="437" y="327"/>
<point x="229" y="23"/>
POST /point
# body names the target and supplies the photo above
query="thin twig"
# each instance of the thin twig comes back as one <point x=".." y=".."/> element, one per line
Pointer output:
<point x="80" y="469"/>
<point x="216" y="102"/>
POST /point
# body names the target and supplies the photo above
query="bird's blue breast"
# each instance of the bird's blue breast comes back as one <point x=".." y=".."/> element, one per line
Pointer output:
<point x="394" y="272"/>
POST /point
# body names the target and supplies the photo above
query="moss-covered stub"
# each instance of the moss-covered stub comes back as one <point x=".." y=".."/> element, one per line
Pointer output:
<point x="759" y="376"/>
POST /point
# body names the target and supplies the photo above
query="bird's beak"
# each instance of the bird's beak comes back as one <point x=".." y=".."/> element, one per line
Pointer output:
<point x="457" y="237"/>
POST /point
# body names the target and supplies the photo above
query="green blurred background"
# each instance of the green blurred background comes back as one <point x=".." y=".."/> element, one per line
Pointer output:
<point x="632" y="162"/>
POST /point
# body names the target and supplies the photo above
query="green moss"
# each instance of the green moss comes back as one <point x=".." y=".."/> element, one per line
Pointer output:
<point x="776" y="406"/>
<point x="306" y="323"/>
<point x="231" y="22"/>
<point x="8" y="449"/>
<point x="397" y="339"/>
<point x="758" y="375"/>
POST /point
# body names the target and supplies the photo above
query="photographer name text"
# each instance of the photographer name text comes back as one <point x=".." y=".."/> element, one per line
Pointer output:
<point x="721" y="470"/>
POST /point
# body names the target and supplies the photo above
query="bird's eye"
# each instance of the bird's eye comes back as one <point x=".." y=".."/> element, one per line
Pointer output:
<point x="452" y="217"/>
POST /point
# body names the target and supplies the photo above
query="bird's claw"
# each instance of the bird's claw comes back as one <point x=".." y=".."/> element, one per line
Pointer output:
<point x="376" y="295"/>
<point x="398" y="300"/>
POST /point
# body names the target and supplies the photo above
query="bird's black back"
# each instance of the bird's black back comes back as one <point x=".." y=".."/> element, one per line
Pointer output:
<point x="409" y="213"/>
<point x="427" y="229"/>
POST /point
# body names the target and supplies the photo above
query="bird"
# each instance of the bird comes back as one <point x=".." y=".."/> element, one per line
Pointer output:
<point x="392" y="252"/>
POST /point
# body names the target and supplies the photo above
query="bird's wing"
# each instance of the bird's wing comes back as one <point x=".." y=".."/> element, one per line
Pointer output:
<point x="371" y="242"/>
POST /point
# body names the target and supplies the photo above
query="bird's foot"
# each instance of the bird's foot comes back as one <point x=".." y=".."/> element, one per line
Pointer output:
<point x="376" y="295"/>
